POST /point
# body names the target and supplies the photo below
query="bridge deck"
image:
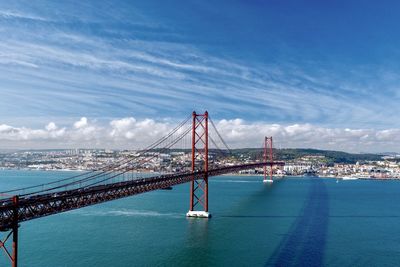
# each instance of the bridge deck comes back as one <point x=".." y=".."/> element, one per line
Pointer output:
<point x="37" y="206"/>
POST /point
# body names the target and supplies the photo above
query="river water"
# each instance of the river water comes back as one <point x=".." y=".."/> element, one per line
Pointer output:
<point x="294" y="222"/>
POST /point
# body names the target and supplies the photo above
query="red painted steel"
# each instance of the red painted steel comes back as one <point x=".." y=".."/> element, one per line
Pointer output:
<point x="13" y="256"/>
<point x="19" y="209"/>
<point x="193" y="160"/>
<point x="38" y="206"/>
<point x="268" y="156"/>
<point x="4" y="248"/>
<point x="15" y="233"/>
<point x="199" y="187"/>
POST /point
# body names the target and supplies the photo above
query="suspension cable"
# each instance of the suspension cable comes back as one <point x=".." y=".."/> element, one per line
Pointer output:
<point x="109" y="167"/>
<point x="220" y="137"/>
<point x="121" y="167"/>
<point x="141" y="163"/>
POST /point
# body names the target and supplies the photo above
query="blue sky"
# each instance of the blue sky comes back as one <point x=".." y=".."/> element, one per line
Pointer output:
<point x="333" y="65"/>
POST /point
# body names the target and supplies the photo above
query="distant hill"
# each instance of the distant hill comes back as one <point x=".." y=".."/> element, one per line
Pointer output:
<point x="331" y="156"/>
<point x="294" y="153"/>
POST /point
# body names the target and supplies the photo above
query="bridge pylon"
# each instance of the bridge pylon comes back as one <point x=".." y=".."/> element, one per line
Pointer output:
<point x="199" y="185"/>
<point x="13" y="255"/>
<point x="268" y="156"/>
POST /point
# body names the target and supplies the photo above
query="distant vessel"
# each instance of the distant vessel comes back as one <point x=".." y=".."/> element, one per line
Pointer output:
<point x="268" y="181"/>
<point x="363" y="176"/>
<point x="349" y="178"/>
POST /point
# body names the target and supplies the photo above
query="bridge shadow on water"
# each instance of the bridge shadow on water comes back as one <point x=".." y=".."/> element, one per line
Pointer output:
<point x="304" y="244"/>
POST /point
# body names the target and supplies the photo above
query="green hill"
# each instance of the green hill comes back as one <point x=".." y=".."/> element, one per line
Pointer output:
<point x="295" y="153"/>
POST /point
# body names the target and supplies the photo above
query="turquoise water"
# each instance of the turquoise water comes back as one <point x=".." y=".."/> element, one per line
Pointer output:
<point x="294" y="222"/>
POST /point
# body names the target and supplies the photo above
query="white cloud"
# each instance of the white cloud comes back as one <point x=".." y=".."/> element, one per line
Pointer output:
<point x="51" y="126"/>
<point x="144" y="131"/>
<point x="14" y="134"/>
<point x="130" y="133"/>
<point x="81" y="123"/>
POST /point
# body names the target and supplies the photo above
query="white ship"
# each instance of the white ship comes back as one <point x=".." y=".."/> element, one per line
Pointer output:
<point x="349" y="178"/>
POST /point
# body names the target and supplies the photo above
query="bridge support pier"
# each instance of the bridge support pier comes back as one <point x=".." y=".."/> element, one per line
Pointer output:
<point x="199" y="185"/>
<point x="13" y="256"/>
<point x="198" y="214"/>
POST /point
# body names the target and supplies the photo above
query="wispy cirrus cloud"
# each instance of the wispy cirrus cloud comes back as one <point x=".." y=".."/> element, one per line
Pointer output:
<point x="162" y="83"/>
<point x="7" y="14"/>
<point x="118" y="60"/>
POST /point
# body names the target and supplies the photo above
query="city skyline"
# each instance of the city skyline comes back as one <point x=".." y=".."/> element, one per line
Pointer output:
<point x="103" y="74"/>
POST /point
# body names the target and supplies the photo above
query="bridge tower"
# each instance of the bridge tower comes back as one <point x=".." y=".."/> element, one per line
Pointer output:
<point x="268" y="156"/>
<point x="13" y="256"/>
<point x="199" y="185"/>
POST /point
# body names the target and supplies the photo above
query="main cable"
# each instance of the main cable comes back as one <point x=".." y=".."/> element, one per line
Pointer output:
<point x="121" y="168"/>
<point x="108" y="168"/>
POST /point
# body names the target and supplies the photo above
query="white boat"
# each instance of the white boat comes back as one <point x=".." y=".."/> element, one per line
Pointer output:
<point x="268" y="181"/>
<point x="349" y="178"/>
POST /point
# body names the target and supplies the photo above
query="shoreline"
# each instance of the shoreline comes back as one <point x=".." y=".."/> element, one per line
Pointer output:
<point x="231" y="174"/>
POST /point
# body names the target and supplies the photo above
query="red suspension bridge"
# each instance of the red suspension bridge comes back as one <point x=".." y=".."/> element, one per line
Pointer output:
<point x="120" y="179"/>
